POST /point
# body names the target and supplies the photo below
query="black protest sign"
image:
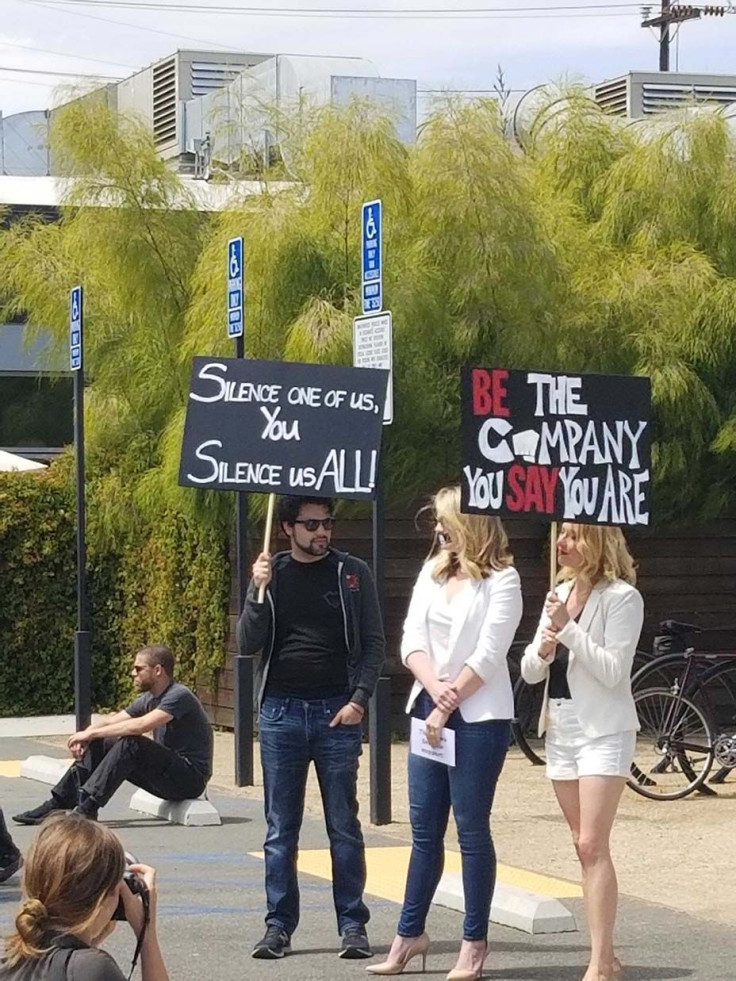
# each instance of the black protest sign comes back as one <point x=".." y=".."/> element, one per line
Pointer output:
<point x="561" y="447"/>
<point x="283" y="427"/>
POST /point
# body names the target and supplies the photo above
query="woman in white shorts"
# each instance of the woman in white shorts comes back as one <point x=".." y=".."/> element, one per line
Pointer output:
<point x="583" y="650"/>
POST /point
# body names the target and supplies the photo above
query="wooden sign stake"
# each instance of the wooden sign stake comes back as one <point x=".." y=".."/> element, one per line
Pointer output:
<point x="552" y="556"/>
<point x="267" y="540"/>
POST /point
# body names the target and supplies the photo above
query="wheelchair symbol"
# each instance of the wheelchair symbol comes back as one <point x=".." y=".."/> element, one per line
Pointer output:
<point x="234" y="263"/>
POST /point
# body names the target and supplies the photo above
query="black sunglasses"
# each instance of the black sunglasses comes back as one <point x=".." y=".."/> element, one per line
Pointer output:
<point x="312" y="524"/>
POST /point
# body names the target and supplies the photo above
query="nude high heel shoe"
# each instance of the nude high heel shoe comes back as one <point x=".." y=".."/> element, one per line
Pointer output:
<point x="466" y="974"/>
<point x="418" y="948"/>
<point x="614" y="973"/>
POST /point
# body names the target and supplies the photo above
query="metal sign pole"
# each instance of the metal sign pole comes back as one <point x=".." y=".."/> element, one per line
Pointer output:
<point x="372" y="347"/>
<point x="243" y="667"/>
<point x="82" y="638"/>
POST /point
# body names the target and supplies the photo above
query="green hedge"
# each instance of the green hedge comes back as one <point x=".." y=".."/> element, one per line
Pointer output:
<point x="168" y="583"/>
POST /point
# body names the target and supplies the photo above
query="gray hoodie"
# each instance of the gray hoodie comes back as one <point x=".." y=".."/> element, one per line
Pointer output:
<point x="361" y="621"/>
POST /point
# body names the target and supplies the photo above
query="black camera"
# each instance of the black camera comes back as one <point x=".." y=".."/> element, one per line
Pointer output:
<point x="137" y="886"/>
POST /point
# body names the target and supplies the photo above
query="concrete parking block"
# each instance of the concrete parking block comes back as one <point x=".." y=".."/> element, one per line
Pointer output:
<point x="45" y="769"/>
<point x="513" y="907"/>
<point x="192" y="813"/>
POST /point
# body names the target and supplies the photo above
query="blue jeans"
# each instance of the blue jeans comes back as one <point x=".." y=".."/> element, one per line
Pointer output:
<point x="294" y="733"/>
<point x="469" y="787"/>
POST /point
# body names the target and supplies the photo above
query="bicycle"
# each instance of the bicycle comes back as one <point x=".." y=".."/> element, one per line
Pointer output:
<point x="688" y="718"/>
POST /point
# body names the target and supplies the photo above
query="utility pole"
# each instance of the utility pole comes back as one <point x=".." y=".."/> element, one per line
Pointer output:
<point x="675" y="13"/>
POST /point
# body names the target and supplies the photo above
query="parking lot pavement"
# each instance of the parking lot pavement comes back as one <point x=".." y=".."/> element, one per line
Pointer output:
<point x="211" y="906"/>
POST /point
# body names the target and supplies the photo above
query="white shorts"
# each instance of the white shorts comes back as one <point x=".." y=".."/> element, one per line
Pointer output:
<point x="571" y="754"/>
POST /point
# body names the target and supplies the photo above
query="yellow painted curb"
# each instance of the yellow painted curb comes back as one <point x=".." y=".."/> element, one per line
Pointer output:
<point x="10" y="768"/>
<point x="387" y="868"/>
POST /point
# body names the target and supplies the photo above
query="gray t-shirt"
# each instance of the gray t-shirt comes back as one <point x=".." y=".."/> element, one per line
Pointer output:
<point x="84" y="964"/>
<point x="189" y="734"/>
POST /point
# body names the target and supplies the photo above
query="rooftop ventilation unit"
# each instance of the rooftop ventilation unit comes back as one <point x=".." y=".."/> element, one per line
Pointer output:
<point x="164" y="102"/>
<point x="640" y="94"/>
<point x="157" y="94"/>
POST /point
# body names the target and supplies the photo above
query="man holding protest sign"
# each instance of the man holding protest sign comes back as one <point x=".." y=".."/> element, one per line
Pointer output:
<point x="321" y="640"/>
<point x="574" y="448"/>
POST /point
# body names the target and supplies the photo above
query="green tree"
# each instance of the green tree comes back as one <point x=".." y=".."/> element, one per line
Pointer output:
<point x="578" y="241"/>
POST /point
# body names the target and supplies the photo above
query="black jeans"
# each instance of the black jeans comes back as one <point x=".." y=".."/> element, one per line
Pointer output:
<point x="107" y="763"/>
<point x="8" y="848"/>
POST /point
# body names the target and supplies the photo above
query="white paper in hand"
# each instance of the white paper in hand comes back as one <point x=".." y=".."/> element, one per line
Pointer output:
<point x="420" y="746"/>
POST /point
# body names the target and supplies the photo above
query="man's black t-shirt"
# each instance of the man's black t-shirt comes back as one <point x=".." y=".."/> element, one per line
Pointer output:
<point x="309" y="657"/>
<point x="189" y="734"/>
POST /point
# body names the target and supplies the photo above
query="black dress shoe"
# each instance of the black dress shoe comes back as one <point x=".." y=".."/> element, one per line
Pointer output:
<point x="38" y="814"/>
<point x="87" y="808"/>
<point x="274" y="945"/>
<point x="355" y="945"/>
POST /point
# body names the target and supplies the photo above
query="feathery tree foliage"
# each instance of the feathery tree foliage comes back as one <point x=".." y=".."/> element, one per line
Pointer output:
<point x="586" y="244"/>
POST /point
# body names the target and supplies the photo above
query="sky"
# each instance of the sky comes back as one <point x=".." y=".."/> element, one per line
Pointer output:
<point x="441" y="51"/>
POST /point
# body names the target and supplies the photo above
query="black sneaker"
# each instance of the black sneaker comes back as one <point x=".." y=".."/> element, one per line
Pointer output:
<point x="38" y="814"/>
<point x="274" y="945"/>
<point x="9" y="865"/>
<point x="355" y="945"/>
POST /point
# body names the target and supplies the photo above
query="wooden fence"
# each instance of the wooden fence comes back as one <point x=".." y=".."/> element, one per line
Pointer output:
<point x="684" y="573"/>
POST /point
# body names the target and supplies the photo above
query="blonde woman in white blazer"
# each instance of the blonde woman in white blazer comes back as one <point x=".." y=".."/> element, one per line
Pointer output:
<point x="583" y="651"/>
<point x="463" y="614"/>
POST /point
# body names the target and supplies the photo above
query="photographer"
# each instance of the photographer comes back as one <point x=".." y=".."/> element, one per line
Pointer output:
<point x="73" y="884"/>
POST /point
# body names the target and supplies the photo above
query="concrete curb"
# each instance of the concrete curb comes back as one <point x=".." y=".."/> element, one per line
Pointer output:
<point x="513" y="907"/>
<point x="191" y="813"/>
<point x="45" y="769"/>
<point x="40" y="725"/>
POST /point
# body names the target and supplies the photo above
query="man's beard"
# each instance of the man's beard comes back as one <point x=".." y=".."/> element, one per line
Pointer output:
<point x="313" y="548"/>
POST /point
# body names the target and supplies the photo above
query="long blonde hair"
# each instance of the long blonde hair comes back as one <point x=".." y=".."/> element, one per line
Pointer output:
<point x="482" y="545"/>
<point x="71" y="869"/>
<point x="605" y="555"/>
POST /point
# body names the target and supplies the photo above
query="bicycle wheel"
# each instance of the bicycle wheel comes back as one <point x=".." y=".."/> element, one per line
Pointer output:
<point x="717" y="686"/>
<point x="527" y="706"/>
<point x="659" y="672"/>
<point x="674" y="749"/>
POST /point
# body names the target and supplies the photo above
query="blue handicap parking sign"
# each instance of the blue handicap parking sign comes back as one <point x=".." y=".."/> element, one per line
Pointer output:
<point x="76" y="319"/>
<point x="372" y="256"/>
<point x="235" y="279"/>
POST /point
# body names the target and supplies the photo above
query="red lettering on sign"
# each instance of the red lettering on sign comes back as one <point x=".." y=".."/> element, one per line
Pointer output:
<point x="549" y="483"/>
<point x="515" y="477"/>
<point x="489" y="391"/>
<point x="531" y="488"/>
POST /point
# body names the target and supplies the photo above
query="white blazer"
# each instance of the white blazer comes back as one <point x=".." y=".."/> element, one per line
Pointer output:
<point x="485" y="616"/>
<point x="602" y="647"/>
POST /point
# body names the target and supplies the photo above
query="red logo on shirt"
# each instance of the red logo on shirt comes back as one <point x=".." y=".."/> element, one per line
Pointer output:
<point x="353" y="582"/>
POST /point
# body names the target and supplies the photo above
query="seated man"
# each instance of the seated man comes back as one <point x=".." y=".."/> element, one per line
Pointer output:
<point x="175" y="765"/>
<point x="10" y="856"/>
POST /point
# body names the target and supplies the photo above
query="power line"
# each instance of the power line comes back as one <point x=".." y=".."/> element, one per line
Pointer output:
<point x="39" y="71"/>
<point x="133" y="27"/>
<point x="419" y="13"/>
<point x="26" y="81"/>
<point x="65" y="54"/>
